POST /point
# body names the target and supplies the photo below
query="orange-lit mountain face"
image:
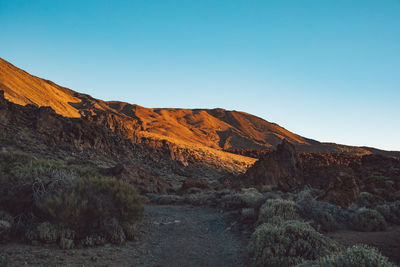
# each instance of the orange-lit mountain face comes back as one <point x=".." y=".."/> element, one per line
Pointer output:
<point x="216" y="128"/>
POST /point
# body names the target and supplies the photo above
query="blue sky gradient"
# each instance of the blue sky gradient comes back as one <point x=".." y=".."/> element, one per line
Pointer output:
<point x="327" y="70"/>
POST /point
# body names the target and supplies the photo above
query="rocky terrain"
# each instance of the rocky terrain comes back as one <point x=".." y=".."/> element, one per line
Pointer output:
<point x="216" y="128"/>
<point x="169" y="236"/>
<point x="341" y="176"/>
<point x="221" y="188"/>
<point x="43" y="132"/>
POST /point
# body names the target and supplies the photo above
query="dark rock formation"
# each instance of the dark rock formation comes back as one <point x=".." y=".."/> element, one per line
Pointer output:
<point x="143" y="181"/>
<point x="281" y="167"/>
<point x="104" y="139"/>
<point x="341" y="176"/>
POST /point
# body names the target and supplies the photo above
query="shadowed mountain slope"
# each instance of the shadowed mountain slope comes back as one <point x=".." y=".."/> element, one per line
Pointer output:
<point x="213" y="128"/>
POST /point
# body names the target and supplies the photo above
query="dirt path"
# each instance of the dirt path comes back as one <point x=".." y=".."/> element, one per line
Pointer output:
<point x="171" y="236"/>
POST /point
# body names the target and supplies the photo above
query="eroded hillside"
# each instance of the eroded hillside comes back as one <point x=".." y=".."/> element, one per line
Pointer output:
<point x="195" y="128"/>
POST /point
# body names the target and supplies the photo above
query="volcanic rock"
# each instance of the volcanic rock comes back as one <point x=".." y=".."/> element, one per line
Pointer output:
<point x="281" y="167"/>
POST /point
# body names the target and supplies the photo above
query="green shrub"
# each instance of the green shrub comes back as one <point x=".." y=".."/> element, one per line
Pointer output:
<point x="66" y="207"/>
<point x="288" y="243"/>
<point x="327" y="221"/>
<point x="66" y="243"/>
<point x="76" y="196"/>
<point x="45" y="232"/>
<point x="395" y="210"/>
<point x="4" y="216"/>
<point x="276" y="210"/>
<point x="369" y="200"/>
<point x="3" y="260"/>
<point x="250" y="197"/>
<point x="390" y="211"/>
<point x="113" y="231"/>
<point x="5" y="231"/>
<point x="130" y="230"/>
<point x="21" y="167"/>
<point x="92" y="199"/>
<point x="367" y="220"/>
<point x="93" y="240"/>
<point x="8" y="160"/>
<point x="352" y="257"/>
<point x="384" y="210"/>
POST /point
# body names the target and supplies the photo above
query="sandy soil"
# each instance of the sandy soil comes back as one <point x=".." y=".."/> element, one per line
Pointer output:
<point x="171" y="236"/>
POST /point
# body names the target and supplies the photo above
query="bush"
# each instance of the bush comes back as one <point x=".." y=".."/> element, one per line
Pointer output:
<point x="395" y="210"/>
<point x="369" y="200"/>
<point x="288" y="243"/>
<point x="39" y="190"/>
<point x="130" y="230"/>
<point x="250" y="197"/>
<point x="367" y="220"/>
<point x="113" y="231"/>
<point x="327" y="221"/>
<point x="5" y="231"/>
<point x="66" y="243"/>
<point x="384" y="210"/>
<point x="276" y="210"/>
<point x="4" y="216"/>
<point x="352" y="257"/>
<point x="327" y="215"/>
<point x="93" y="240"/>
<point x="92" y="199"/>
<point x="45" y="232"/>
<point x="390" y="211"/>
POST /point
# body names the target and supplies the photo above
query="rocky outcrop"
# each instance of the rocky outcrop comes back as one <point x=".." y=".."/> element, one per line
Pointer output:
<point x="341" y="176"/>
<point x="281" y="168"/>
<point x="341" y="188"/>
<point x="151" y="164"/>
<point x="144" y="181"/>
<point x="235" y="131"/>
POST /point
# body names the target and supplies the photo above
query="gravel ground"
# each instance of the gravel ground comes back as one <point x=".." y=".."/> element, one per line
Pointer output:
<point x="170" y="236"/>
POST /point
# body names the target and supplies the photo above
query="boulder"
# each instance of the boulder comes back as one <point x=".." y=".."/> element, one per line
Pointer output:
<point x="342" y="190"/>
<point x="281" y="168"/>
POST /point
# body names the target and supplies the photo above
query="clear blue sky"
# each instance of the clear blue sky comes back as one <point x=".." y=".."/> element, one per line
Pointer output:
<point x="328" y="70"/>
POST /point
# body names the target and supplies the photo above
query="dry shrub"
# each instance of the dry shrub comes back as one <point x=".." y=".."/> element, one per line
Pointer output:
<point x="326" y="221"/>
<point x="390" y="211"/>
<point x="369" y="200"/>
<point x="352" y="257"/>
<point x="276" y="210"/>
<point x="93" y="199"/>
<point x="367" y="220"/>
<point x="288" y="243"/>
<point x="76" y="196"/>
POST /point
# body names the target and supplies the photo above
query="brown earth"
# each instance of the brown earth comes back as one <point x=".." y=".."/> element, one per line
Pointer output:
<point x="212" y="128"/>
<point x="170" y="236"/>
<point x="152" y="165"/>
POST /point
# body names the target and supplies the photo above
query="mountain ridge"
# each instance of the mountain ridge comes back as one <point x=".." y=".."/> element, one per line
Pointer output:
<point x="214" y="128"/>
